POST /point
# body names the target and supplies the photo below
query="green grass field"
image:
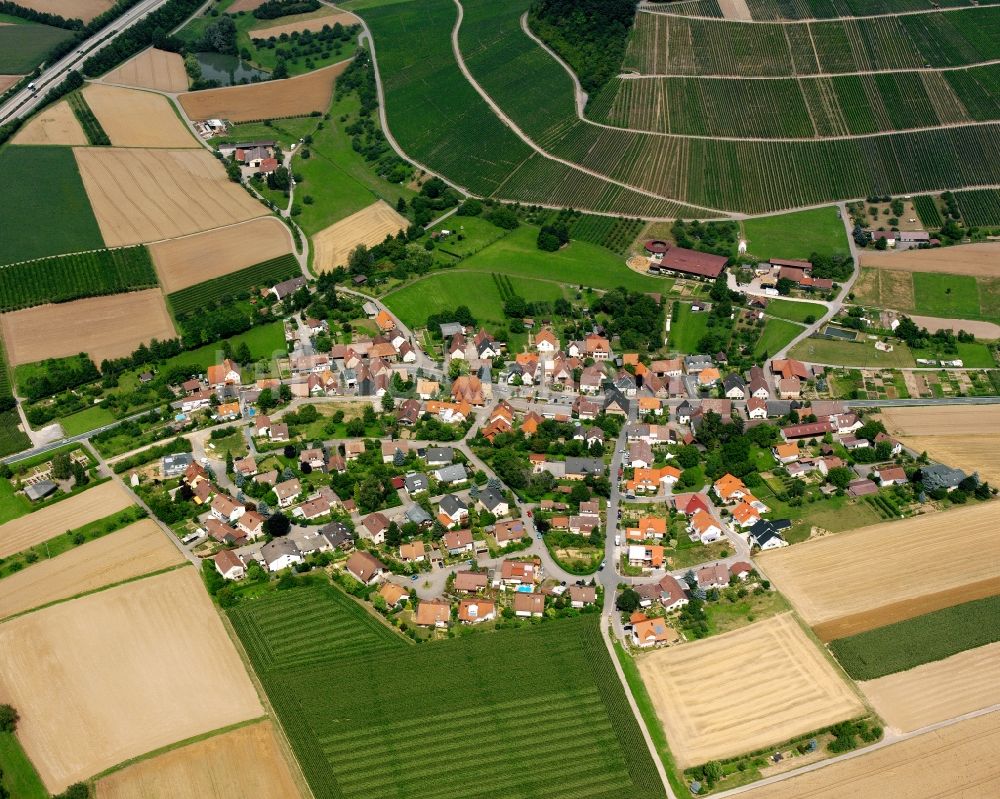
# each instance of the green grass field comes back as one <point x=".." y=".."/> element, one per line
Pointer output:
<point x="476" y="234"/>
<point x="924" y="639"/>
<point x="687" y="330"/>
<point x="43" y="191"/>
<point x="83" y="421"/>
<point x="12" y="439"/>
<point x="777" y="333"/>
<point x="794" y="311"/>
<point x="797" y="235"/>
<point x="404" y="726"/>
<point x="263" y="341"/>
<point x="19" y="776"/>
<point x="12" y="504"/>
<point x="207" y="294"/>
<point x="947" y="296"/>
<point x="849" y="353"/>
<point x="931" y="293"/>
<point x="24" y="46"/>
<point x="580" y="263"/>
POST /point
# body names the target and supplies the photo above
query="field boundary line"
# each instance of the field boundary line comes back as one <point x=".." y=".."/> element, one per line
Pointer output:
<point x="645" y="9"/>
<point x="734" y="76"/>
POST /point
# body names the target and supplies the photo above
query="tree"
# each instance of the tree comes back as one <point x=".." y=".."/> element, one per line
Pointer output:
<point x="243" y="354"/>
<point x="785" y="286"/>
<point x="8" y="718"/>
<point x="80" y="475"/>
<point x="61" y="468"/>
<point x="580" y="493"/>
<point x="265" y="400"/>
<point x="229" y="462"/>
<point x="840" y="476"/>
<point x="277" y="525"/>
<point x="285" y="392"/>
<point x="628" y="601"/>
<point x="387" y="403"/>
<point x="368" y="493"/>
<point x="279" y="179"/>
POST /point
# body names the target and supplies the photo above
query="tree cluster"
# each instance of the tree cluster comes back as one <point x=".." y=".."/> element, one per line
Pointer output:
<point x="273" y="9"/>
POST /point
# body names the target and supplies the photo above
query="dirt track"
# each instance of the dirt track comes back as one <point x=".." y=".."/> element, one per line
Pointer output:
<point x="857" y="572"/>
<point x="368" y="226"/>
<point x="294" y="97"/>
<point x="140" y="548"/>
<point x="142" y="195"/>
<point x="137" y="118"/>
<point x="94" y="503"/>
<point x="247" y="762"/>
<point x="186" y="261"/>
<point x="938" y="691"/>
<point x="119" y="673"/>
<point x="980" y="260"/>
<point x="103" y="327"/>
<point x="743" y="690"/>
<point x="53" y="125"/>
<point x="152" y="69"/>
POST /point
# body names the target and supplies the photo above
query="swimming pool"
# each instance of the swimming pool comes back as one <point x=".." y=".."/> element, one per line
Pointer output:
<point x="524" y="589"/>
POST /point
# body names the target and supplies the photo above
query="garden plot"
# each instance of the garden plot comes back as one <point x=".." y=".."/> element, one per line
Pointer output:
<point x="138" y="549"/>
<point x="136" y="118"/>
<point x="368" y="226"/>
<point x="743" y="690"/>
<point x="53" y="125"/>
<point x="116" y="674"/>
<point x="68" y="514"/>
<point x="152" y="69"/>
<point x="194" y="259"/>
<point x="142" y="195"/>
<point x="103" y="327"/>
<point x="888" y="572"/>
<point x="247" y="762"/>
<point x="273" y="99"/>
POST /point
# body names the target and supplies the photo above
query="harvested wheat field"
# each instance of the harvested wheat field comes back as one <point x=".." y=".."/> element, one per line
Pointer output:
<point x="294" y="97"/>
<point x="247" y="762"/>
<point x="94" y="503"/>
<point x="70" y="9"/>
<point x="53" y="125"/>
<point x="141" y="195"/>
<point x="743" y="690"/>
<point x="862" y="572"/>
<point x="119" y="673"/>
<point x="938" y="691"/>
<point x="102" y="327"/>
<point x="152" y="69"/>
<point x="6" y="81"/>
<point x="186" y="261"/>
<point x="956" y="761"/>
<point x="243" y="5"/>
<point x="980" y="260"/>
<point x="368" y="226"/>
<point x="345" y="18"/>
<point x="137" y="118"/>
<point x="140" y="548"/>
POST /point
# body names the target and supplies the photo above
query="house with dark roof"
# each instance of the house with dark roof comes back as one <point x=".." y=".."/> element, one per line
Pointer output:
<point x="938" y="476"/>
<point x="766" y="533"/>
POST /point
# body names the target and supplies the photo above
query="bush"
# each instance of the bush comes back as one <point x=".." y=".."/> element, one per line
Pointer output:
<point x="8" y="718"/>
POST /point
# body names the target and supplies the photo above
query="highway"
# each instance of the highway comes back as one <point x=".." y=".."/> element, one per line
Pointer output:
<point x="25" y="102"/>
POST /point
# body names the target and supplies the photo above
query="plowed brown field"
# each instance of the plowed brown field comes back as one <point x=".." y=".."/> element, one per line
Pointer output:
<point x="184" y="262"/>
<point x="968" y="259"/>
<point x="152" y="69"/>
<point x="94" y="503"/>
<point x="119" y="673"/>
<point x="273" y="99"/>
<point x="102" y="327"/>
<point x="6" y="81"/>
<point x="140" y="548"/>
<point x="70" y="9"/>
<point x="894" y="563"/>
<point x="743" y="690"/>
<point x="247" y="762"/>
<point x="137" y="118"/>
<point x="54" y="125"/>
<point x="368" y="226"/>
<point x="956" y="761"/>
<point x="141" y="195"/>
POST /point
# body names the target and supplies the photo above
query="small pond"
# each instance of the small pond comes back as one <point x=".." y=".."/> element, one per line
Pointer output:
<point x="229" y="70"/>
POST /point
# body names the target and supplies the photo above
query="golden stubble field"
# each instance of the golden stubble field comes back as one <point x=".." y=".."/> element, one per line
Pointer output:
<point x="53" y="125"/>
<point x="345" y="18"/>
<point x="937" y="691"/>
<point x="152" y="69"/>
<point x="247" y="762"/>
<point x="142" y="195"/>
<point x="743" y="690"/>
<point x="103" y="327"/>
<point x="368" y="226"/>
<point x="94" y="503"/>
<point x="140" y="548"/>
<point x="115" y="674"/>
<point x="137" y="118"/>
<point x="955" y="761"/>
<point x="70" y="9"/>
<point x="273" y="99"/>
<point x="203" y="256"/>
<point x="979" y="260"/>
<point x="881" y="574"/>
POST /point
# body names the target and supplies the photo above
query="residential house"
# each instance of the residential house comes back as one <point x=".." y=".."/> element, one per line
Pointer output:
<point x="287" y="492"/>
<point x="452" y="511"/>
<point x="716" y="576"/>
<point x="647" y="632"/>
<point x="229" y="565"/>
<point x="507" y="532"/>
<point x="338" y="536"/>
<point x="529" y="604"/>
<point x="413" y="552"/>
<point x="894" y="475"/>
<point x="314" y="508"/>
<point x="175" y="465"/>
<point x="278" y="432"/>
<point x="745" y="515"/>
<point x="766" y="534"/>
<point x="390" y="448"/>
<point x="246" y="466"/>
<point x="650" y="481"/>
<point x="672" y="593"/>
<point x="787" y="453"/>
<point x="591" y="380"/>
<point x="468" y="582"/>
<point x="408" y="412"/>
<point x="458" y="542"/>
<point x="741" y="570"/>
<point x="583" y="524"/>
<point x="579" y="468"/>
<point x="645" y="556"/>
<point x="427" y="389"/>
<point x="315" y="459"/>
<point x="734" y="387"/>
<point x="640" y="455"/>
<point x="393" y="594"/>
<point x="475" y="611"/>
<point x="647" y="528"/>
<point x="439" y="456"/>
<point x="280" y="553"/>
<point x="454" y="474"/>
<point x="365" y="567"/>
<point x="582" y="595"/>
<point x="468" y="388"/>
<point x="416" y="483"/>
<point x="226" y="509"/>
<point x="225" y="374"/>
<point x="493" y="501"/>
<point x="938" y="476"/>
<point x="756" y="408"/>
<point x="703" y="527"/>
<point x="353" y="450"/>
<point x="374" y="527"/>
<point x="251" y="524"/>
<point x="520" y="572"/>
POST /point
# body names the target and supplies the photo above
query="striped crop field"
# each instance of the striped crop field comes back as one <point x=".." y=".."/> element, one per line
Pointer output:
<point x="979" y="207"/>
<point x="208" y="293"/>
<point x="527" y="712"/>
<point x="70" y="277"/>
<point x="765" y="10"/>
<point x="928" y="211"/>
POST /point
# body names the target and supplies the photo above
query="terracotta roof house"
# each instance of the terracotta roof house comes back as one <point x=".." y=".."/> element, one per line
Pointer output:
<point x="469" y="582"/>
<point x="475" y="611"/>
<point x="433" y="613"/>
<point x="365" y="567"/>
<point x="393" y="594"/>
<point x="229" y="565"/>
<point x="529" y="604"/>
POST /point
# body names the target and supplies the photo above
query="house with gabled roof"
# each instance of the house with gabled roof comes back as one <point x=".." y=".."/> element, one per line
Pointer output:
<point x="365" y="567"/>
<point x="476" y="611"/>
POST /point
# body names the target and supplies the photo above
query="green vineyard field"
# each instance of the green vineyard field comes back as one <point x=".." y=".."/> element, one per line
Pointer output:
<point x="980" y="207"/>
<point x="208" y="293"/>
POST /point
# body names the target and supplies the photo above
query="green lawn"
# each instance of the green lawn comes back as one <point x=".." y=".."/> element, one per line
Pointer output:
<point x="476" y="234"/>
<point x="797" y="235"/>
<point x="24" y="46"/>
<point x="687" y="330"/>
<point x="12" y="504"/>
<point x="776" y="334"/>
<point x="85" y="420"/>
<point x="851" y="353"/>
<point x="266" y="58"/>
<point x="42" y="185"/>
<point x="264" y="341"/>
<point x="724" y="615"/>
<point x="579" y="263"/>
<point x="835" y="514"/>
<point x="794" y="311"/>
<point x="973" y="355"/>
<point x="19" y="776"/>
<point x="947" y="296"/>
<point x="338" y="179"/>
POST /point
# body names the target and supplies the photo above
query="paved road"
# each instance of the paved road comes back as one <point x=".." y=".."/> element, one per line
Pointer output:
<point x="25" y="102"/>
